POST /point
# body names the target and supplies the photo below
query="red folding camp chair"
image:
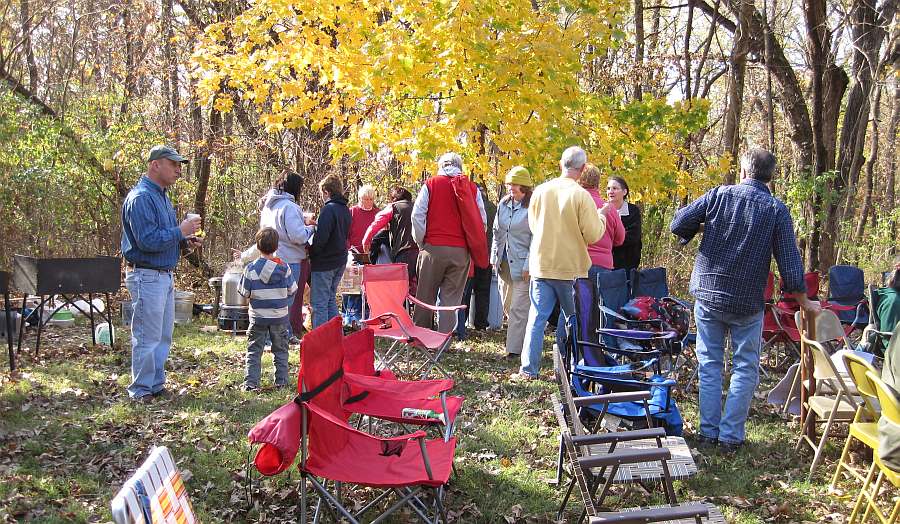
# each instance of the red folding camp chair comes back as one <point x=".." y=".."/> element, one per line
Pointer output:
<point x="315" y="423"/>
<point x="378" y="394"/>
<point x="386" y="290"/>
<point x="779" y="328"/>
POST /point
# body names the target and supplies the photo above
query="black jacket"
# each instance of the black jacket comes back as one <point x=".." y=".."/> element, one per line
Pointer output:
<point x="328" y="249"/>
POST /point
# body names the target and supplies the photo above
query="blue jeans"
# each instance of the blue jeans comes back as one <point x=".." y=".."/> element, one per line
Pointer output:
<point x="323" y="295"/>
<point x="256" y="337"/>
<point x="746" y="336"/>
<point x="153" y="301"/>
<point x="545" y="293"/>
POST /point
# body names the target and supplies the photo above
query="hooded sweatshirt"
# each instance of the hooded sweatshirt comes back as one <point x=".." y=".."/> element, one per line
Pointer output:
<point x="269" y="284"/>
<point x="280" y="212"/>
<point x="329" y="245"/>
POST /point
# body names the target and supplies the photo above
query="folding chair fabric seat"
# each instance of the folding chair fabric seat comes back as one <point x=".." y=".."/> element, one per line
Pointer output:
<point x="374" y="397"/>
<point x="341" y="453"/>
<point x="155" y="493"/>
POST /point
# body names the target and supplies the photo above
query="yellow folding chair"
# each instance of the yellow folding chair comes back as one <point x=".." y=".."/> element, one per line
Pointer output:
<point x="838" y="405"/>
<point x="864" y="427"/>
<point x="890" y="408"/>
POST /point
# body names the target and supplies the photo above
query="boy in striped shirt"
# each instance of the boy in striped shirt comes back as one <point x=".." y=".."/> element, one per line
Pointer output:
<point x="270" y="286"/>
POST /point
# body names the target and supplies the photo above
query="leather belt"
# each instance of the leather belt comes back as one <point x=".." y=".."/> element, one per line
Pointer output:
<point x="131" y="266"/>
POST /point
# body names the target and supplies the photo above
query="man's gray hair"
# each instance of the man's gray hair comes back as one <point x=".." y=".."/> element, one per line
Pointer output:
<point x="573" y="159"/>
<point x="758" y="164"/>
<point x="365" y="190"/>
<point x="452" y="159"/>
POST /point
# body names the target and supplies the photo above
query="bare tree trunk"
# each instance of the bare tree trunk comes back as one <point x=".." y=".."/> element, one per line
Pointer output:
<point x="174" y="99"/>
<point x="868" y="33"/>
<point x="25" y="12"/>
<point x="639" y="48"/>
<point x="870" y="166"/>
<point x="129" y="58"/>
<point x="817" y="36"/>
<point x="890" y="186"/>
<point x="738" y="63"/>
<point x="687" y="49"/>
<point x="166" y="26"/>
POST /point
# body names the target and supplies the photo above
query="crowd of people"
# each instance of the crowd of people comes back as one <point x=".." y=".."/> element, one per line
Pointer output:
<point x="453" y="239"/>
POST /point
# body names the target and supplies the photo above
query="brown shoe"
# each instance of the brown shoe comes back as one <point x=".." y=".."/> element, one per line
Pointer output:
<point x="143" y="399"/>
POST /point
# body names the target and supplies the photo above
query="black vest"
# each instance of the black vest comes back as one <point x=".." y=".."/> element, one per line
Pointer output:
<point x="401" y="228"/>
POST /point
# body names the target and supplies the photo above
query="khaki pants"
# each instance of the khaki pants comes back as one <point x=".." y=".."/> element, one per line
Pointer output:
<point x="441" y="269"/>
<point x="516" y="302"/>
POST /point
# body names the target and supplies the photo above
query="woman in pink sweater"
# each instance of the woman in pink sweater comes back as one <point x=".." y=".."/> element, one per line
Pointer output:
<point x="601" y="251"/>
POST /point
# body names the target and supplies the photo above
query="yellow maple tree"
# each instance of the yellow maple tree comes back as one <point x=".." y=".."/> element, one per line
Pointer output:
<point x="421" y="78"/>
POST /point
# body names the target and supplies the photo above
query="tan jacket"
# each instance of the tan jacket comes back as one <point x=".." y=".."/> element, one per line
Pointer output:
<point x="564" y="220"/>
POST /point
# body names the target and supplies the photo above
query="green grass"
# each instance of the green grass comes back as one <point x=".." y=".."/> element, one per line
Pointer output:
<point x="69" y="437"/>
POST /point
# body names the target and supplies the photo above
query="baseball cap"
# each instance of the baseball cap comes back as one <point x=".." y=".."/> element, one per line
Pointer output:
<point x="161" y="151"/>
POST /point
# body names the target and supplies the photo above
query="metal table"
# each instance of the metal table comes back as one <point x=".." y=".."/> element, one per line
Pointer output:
<point x="71" y="279"/>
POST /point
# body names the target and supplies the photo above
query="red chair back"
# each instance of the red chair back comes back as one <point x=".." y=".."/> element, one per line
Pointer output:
<point x="386" y="287"/>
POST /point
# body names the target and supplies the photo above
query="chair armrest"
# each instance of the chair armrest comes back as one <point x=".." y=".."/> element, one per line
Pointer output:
<point x="630" y="456"/>
<point x="604" y="347"/>
<point x="379" y="319"/>
<point x="418" y="302"/>
<point x="663" y="514"/>
<point x="620" y="396"/>
<point x="618" y="436"/>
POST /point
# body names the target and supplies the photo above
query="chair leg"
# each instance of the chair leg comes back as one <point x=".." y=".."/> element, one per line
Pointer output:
<point x="809" y="416"/>
<point x="559" y="462"/>
<point x="565" y="500"/>
<point x="863" y="493"/>
<point x="840" y="464"/>
<point x="872" y="505"/>
<point x="825" y="432"/>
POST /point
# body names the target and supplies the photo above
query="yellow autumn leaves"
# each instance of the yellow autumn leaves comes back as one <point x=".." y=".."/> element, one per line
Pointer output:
<point x="493" y="79"/>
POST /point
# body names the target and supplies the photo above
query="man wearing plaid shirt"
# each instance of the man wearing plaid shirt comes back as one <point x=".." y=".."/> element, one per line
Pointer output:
<point x="743" y="226"/>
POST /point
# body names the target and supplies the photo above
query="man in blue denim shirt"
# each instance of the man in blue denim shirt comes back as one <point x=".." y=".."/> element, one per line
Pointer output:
<point x="152" y="241"/>
<point x="743" y="226"/>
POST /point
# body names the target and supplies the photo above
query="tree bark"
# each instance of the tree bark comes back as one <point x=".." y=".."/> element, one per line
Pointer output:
<point x="638" y="49"/>
<point x="817" y="37"/>
<point x="870" y="166"/>
<point x="25" y="16"/>
<point x="890" y="184"/>
<point x="738" y="64"/>
<point x="129" y="58"/>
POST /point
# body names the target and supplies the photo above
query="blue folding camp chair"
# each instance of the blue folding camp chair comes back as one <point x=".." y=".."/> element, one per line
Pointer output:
<point x="612" y="377"/>
<point x="596" y="368"/>
<point x="847" y="287"/>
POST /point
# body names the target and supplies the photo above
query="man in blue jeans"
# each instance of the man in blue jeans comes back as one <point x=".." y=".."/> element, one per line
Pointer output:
<point x="152" y="240"/>
<point x="564" y="220"/>
<point x="743" y="226"/>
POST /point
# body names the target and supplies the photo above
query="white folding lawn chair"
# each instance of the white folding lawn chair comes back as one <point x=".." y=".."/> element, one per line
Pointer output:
<point x="154" y="494"/>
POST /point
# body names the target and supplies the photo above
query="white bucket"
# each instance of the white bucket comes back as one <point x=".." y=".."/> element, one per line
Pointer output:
<point x="184" y="307"/>
<point x="103" y="334"/>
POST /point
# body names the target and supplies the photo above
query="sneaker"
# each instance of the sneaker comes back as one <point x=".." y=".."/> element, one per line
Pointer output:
<point x="143" y="399"/>
<point x="522" y="377"/>
<point x="250" y="387"/>
<point x="513" y="356"/>
<point x="281" y="386"/>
